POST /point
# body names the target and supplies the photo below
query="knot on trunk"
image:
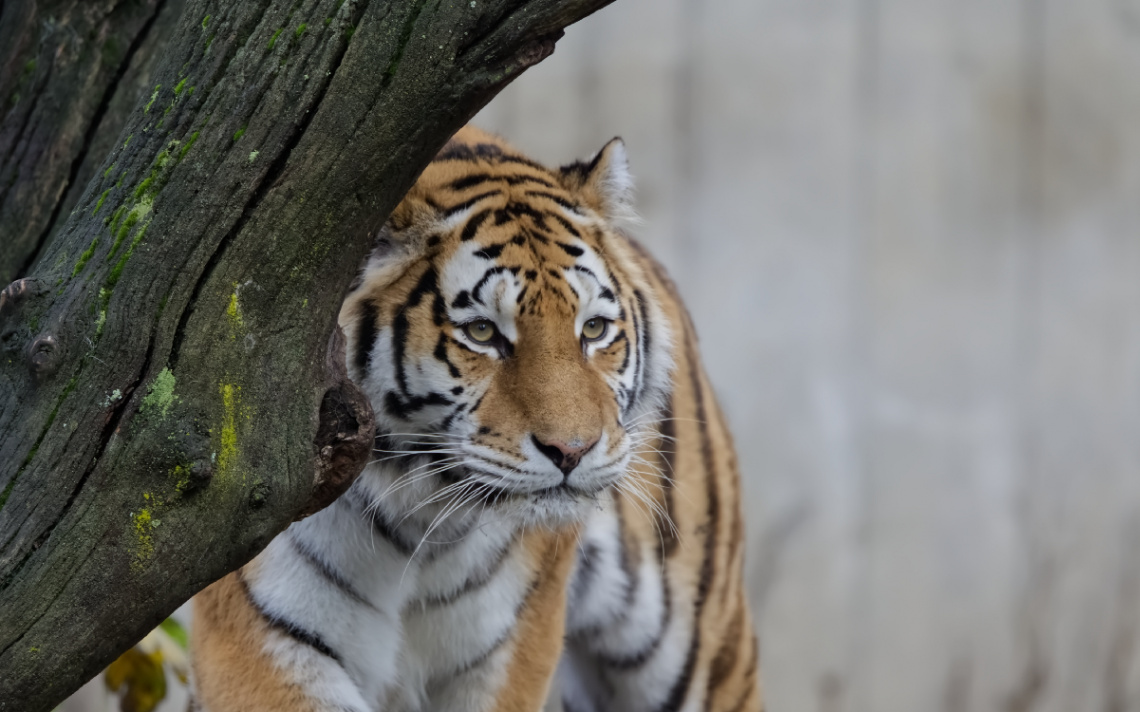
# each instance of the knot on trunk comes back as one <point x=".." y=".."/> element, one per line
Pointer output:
<point x="44" y="356"/>
<point x="345" y="433"/>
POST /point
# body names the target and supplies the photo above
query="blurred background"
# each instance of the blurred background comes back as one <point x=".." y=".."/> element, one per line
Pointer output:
<point x="909" y="234"/>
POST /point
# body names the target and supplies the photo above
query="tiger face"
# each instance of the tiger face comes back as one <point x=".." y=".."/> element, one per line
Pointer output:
<point x="508" y="340"/>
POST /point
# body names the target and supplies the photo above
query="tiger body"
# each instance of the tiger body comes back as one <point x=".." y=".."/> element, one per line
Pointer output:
<point x="555" y="493"/>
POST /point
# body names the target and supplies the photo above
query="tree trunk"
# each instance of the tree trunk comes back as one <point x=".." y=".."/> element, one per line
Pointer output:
<point x="171" y="389"/>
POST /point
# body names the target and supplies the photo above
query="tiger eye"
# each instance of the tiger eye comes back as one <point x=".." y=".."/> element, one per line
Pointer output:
<point x="480" y="331"/>
<point x="594" y="329"/>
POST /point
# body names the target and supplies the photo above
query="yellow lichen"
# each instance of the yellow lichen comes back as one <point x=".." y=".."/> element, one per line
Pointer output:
<point x="227" y="447"/>
<point x="144" y="548"/>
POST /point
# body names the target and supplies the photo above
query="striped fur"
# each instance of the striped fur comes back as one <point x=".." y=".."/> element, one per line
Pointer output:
<point x="554" y="495"/>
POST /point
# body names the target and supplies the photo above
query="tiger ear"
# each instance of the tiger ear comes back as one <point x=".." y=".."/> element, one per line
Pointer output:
<point x="410" y="223"/>
<point x="604" y="182"/>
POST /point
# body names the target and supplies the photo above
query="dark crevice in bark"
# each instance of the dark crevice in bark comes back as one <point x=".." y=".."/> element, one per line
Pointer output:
<point x="37" y="92"/>
<point x="481" y="34"/>
<point x="402" y="43"/>
<point x="88" y="137"/>
<point x="268" y="181"/>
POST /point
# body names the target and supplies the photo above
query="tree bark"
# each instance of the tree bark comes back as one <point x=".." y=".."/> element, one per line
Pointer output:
<point x="172" y="392"/>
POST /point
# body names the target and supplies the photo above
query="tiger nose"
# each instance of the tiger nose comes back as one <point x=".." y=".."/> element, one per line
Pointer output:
<point x="564" y="455"/>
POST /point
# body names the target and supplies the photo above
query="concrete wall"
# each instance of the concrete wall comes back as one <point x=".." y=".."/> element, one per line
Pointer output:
<point x="909" y="234"/>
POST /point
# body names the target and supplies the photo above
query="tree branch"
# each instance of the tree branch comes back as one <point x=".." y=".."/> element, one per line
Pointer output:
<point x="167" y="395"/>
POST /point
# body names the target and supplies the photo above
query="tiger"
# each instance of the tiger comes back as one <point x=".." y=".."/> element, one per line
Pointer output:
<point x="553" y="510"/>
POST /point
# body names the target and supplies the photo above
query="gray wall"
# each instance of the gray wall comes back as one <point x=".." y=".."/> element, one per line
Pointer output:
<point x="909" y="233"/>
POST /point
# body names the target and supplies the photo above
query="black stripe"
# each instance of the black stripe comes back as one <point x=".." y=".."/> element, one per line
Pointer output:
<point x="625" y="359"/>
<point x="327" y="571"/>
<point x="483" y="281"/>
<point x="572" y="250"/>
<point x="284" y="625"/>
<point x="383" y="527"/>
<point x="426" y="285"/>
<point x="523" y="178"/>
<point x="366" y="333"/>
<point x="462" y="300"/>
<point x="681" y="686"/>
<point x="556" y="198"/>
<point x="637" y="659"/>
<point x="667" y="454"/>
<point x="404" y="406"/>
<point x="587" y="570"/>
<point x="448" y="212"/>
<point x="441" y="354"/>
<point x="499" y="642"/>
<point x="446" y="424"/>
<point x="727" y="656"/>
<point x="473" y="224"/>
<point x="639" y="330"/>
<point x="566" y="225"/>
<point x="471" y="180"/>
<point x="456" y="151"/>
<point x="473" y="583"/>
<point x="475" y="179"/>
<point x="521" y="209"/>
<point x="490" y="252"/>
<point x="505" y="158"/>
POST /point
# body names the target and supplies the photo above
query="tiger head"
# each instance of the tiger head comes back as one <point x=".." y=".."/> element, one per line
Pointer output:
<point x="507" y="334"/>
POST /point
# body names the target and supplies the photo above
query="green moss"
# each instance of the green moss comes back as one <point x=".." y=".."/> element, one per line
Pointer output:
<point x="163" y="156"/>
<point x="300" y="30"/>
<point x="117" y="270"/>
<point x="108" y="171"/>
<point x="121" y="177"/>
<point x="205" y="21"/>
<point x="99" y="204"/>
<point x="130" y="136"/>
<point x="146" y="109"/>
<point x="328" y="21"/>
<point x="273" y="39"/>
<point x="160" y="395"/>
<point x="115" y="217"/>
<point x="239" y="133"/>
<point x="189" y="143"/>
<point x="142" y="189"/>
<point x="85" y="257"/>
<point x="209" y="41"/>
<point x="252" y="156"/>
